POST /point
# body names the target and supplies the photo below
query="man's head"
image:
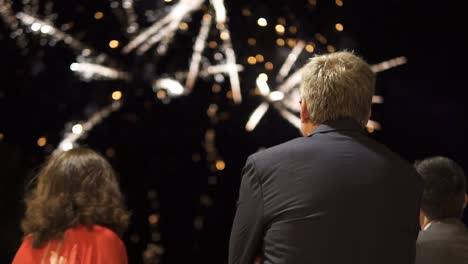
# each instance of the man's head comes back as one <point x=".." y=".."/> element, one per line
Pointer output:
<point x="334" y="86"/>
<point x="444" y="193"/>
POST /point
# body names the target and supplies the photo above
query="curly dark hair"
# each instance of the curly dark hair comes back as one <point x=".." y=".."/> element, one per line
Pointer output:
<point x="76" y="187"/>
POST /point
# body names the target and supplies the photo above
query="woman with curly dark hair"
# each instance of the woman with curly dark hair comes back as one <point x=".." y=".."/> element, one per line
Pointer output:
<point x="75" y="214"/>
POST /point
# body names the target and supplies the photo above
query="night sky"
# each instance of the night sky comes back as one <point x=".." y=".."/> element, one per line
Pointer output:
<point x="158" y="148"/>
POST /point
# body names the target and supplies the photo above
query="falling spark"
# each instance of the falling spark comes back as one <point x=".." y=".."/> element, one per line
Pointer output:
<point x="227" y="49"/>
<point x="256" y="116"/>
<point x="221" y="68"/>
<point x="198" y="48"/>
<point x="40" y="26"/>
<point x="93" y="71"/>
<point x="262" y="22"/>
<point x="291" y="101"/>
<point x="77" y="129"/>
<point x="263" y="86"/>
<point x="173" y="87"/>
<point x="291" y="118"/>
<point x="232" y="71"/>
<point x="8" y="16"/>
<point x="292" y="58"/>
<point x="292" y="81"/>
<point x="220" y="11"/>
<point x="36" y="25"/>
<point x="276" y="96"/>
<point x="82" y="129"/>
<point x="162" y="34"/>
<point x="213" y="70"/>
<point x="132" y="19"/>
<point x="164" y="44"/>
<point x="386" y="65"/>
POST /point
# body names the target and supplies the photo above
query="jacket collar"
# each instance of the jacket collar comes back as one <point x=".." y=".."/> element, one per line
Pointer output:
<point x="337" y="125"/>
<point x="447" y="221"/>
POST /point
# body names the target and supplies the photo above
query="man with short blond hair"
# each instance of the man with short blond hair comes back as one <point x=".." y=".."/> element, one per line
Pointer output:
<point x="338" y="85"/>
<point x="333" y="196"/>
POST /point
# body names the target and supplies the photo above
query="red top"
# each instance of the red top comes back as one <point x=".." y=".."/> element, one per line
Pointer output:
<point x="80" y="245"/>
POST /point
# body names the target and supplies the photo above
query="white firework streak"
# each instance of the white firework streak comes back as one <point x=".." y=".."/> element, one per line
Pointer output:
<point x="164" y="27"/>
<point x="172" y="87"/>
<point x="126" y="16"/>
<point x="161" y="32"/>
<point x="87" y="70"/>
<point x="231" y="67"/>
<point x="292" y="58"/>
<point x="263" y="85"/>
<point x="290" y="117"/>
<point x="227" y="49"/>
<point x="40" y="26"/>
<point x="69" y="141"/>
<point x="232" y="70"/>
<point x="292" y="81"/>
<point x="97" y="71"/>
<point x="164" y="33"/>
<point x="132" y="22"/>
<point x="256" y="116"/>
<point x="198" y="48"/>
<point x="220" y="11"/>
<point x="261" y="110"/>
<point x="8" y="16"/>
<point x="221" y="68"/>
<point x="212" y="70"/>
<point x="286" y="101"/>
<point x="164" y="30"/>
<point x="388" y="64"/>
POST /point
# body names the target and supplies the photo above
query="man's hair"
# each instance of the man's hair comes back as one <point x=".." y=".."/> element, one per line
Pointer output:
<point x="77" y="187"/>
<point x="444" y="187"/>
<point x="338" y="85"/>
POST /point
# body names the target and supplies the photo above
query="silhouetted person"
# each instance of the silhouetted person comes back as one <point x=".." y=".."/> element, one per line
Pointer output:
<point x="335" y="195"/>
<point x="443" y="238"/>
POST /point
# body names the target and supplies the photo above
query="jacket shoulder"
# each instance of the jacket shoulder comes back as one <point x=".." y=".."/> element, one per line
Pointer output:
<point x="278" y="151"/>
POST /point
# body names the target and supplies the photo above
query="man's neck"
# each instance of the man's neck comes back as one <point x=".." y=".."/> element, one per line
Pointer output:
<point x="308" y="128"/>
<point x="425" y="223"/>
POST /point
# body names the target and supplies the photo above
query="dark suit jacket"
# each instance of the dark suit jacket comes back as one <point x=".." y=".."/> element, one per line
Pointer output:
<point x="335" y="196"/>
<point x="444" y="242"/>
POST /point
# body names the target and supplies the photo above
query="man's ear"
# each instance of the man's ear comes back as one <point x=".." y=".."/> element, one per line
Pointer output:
<point x="304" y="112"/>
<point x="422" y="219"/>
